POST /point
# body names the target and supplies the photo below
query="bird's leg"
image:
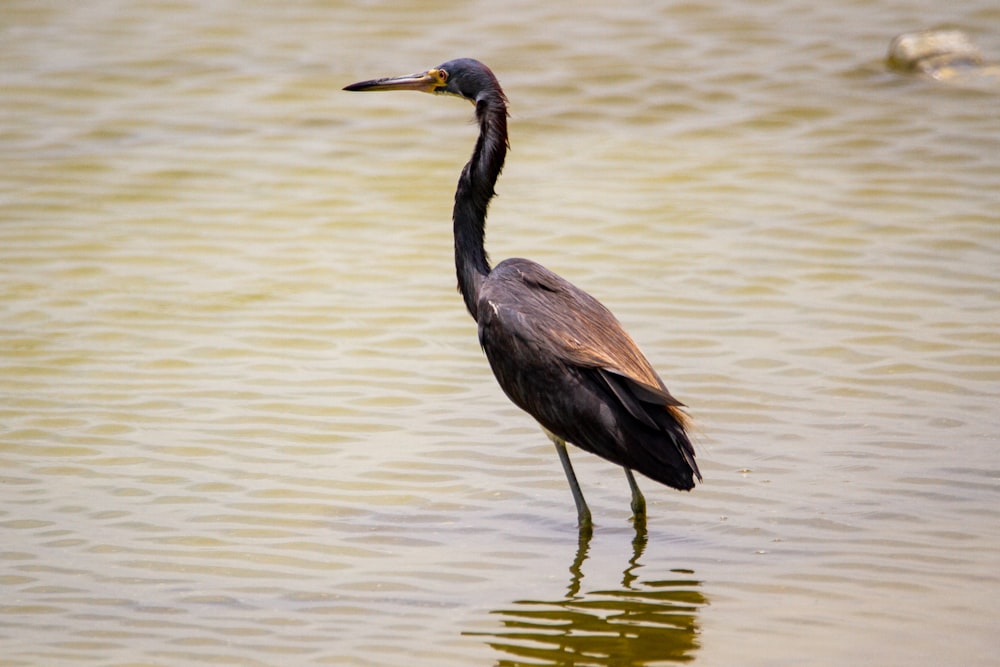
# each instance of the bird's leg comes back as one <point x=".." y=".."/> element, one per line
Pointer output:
<point x="638" y="501"/>
<point x="582" y="511"/>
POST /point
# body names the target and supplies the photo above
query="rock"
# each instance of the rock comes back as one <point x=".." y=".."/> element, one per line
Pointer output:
<point x="944" y="55"/>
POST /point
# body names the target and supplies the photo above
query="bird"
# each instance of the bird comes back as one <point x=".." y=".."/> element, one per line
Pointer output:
<point x="556" y="351"/>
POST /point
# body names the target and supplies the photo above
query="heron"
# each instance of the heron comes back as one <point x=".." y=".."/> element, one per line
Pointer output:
<point x="556" y="351"/>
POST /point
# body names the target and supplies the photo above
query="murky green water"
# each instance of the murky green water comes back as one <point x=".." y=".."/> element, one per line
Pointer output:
<point x="245" y="419"/>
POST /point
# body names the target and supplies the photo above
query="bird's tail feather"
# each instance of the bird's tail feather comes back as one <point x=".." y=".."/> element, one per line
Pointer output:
<point x="665" y="436"/>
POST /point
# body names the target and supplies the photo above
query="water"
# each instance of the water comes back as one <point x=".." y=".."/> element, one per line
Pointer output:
<point x="245" y="419"/>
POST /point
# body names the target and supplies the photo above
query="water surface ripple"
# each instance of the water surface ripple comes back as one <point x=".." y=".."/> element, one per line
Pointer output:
<point x="245" y="419"/>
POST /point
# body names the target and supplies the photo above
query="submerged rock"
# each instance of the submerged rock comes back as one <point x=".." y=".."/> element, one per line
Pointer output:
<point x="944" y="55"/>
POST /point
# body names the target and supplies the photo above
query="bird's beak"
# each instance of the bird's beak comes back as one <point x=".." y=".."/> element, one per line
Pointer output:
<point x="426" y="82"/>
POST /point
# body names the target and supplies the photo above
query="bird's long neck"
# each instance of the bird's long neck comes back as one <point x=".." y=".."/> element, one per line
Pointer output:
<point x="472" y="198"/>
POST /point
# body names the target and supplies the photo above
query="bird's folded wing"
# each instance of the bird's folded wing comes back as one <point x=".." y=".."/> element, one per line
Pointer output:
<point x="578" y="330"/>
<point x="587" y="334"/>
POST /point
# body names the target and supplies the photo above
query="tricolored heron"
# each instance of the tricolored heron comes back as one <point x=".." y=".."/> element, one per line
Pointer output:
<point x="556" y="351"/>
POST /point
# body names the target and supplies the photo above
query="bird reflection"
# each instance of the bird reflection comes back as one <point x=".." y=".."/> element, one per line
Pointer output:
<point x="640" y="623"/>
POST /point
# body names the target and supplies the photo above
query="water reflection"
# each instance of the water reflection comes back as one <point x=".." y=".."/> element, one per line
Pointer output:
<point x="638" y="623"/>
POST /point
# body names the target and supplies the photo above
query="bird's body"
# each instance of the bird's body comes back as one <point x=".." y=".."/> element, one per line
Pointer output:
<point x="556" y="351"/>
<point x="561" y="356"/>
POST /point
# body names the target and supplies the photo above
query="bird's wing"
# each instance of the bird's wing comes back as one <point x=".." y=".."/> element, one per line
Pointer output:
<point x="577" y="328"/>
<point x="631" y="391"/>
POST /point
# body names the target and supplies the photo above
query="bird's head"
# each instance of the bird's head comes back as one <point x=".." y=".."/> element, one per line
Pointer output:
<point x="463" y="77"/>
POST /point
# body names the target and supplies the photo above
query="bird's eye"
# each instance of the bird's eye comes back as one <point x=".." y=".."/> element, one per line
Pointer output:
<point x="442" y="76"/>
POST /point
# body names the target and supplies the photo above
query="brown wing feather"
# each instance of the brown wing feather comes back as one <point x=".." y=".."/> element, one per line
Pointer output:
<point x="585" y="333"/>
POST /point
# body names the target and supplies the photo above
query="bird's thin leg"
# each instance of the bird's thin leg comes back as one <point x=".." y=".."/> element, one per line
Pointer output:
<point x="638" y="501"/>
<point x="582" y="511"/>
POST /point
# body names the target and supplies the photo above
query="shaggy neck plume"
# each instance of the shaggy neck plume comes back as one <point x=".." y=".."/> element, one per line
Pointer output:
<point x="475" y="190"/>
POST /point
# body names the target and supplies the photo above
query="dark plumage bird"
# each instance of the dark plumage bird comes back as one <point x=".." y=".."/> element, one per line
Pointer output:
<point x="557" y="352"/>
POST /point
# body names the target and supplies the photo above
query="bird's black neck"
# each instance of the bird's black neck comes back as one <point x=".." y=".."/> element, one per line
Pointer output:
<point x="475" y="190"/>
